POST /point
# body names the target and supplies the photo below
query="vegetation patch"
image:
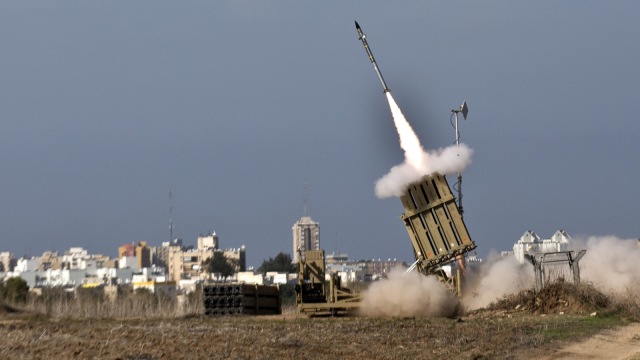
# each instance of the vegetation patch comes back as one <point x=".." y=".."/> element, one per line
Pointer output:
<point x="6" y="309"/>
<point x="483" y="335"/>
<point x="559" y="297"/>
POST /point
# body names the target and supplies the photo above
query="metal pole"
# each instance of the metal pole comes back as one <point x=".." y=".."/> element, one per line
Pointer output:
<point x="457" y="132"/>
<point x="459" y="174"/>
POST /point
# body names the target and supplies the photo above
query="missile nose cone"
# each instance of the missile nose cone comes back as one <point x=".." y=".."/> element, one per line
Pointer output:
<point x="357" y="26"/>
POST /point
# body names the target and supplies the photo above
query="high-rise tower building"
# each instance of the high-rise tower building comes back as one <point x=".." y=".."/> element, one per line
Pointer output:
<point x="306" y="236"/>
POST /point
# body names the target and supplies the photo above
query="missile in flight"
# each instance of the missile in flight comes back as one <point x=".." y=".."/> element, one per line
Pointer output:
<point x="362" y="37"/>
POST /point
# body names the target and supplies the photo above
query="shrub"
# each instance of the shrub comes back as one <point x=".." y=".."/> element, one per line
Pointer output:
<point x="14" y="290"/>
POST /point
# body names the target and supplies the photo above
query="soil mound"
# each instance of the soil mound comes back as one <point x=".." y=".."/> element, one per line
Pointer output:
<point x="555" y="298"/>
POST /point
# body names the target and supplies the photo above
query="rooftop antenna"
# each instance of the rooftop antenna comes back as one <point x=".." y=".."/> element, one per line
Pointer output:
<point x="464" y="110"/>
<point x="306" y="193"/>
<point x="170" y="217"/>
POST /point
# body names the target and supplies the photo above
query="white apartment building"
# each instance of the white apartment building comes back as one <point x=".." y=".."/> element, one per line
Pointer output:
<point x="531" y="243"/>
<point x="128" y="262"/>
<point x="74" y="256"/>
<point x="24" y="264"/>
<point x="50" y="277"/>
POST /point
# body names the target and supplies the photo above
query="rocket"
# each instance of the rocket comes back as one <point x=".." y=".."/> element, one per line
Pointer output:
<point x="362" y="37"/>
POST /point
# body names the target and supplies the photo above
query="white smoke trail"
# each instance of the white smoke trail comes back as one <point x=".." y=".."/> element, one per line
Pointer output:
<point x="418" y="162"/>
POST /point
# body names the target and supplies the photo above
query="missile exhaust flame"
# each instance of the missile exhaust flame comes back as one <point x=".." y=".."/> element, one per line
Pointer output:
<point x="418" y="162"/>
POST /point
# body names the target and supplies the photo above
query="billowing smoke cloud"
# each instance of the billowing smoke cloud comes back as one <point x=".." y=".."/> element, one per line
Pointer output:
<point x="611" y="264"/>
<point x="418" y="162"/>
<point x="410" y="295"/>
<point x="496" y="278"/>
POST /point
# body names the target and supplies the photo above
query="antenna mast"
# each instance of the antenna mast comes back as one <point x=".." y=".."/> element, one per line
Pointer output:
<point x="464" y="110"/>
<point x="305" y="199"/>
<point x="170" y="217"/>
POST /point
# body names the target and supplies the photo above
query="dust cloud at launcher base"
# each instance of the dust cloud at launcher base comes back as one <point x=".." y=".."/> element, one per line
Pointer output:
<point x="610" y="264"/>
<point x="408" y="295"/>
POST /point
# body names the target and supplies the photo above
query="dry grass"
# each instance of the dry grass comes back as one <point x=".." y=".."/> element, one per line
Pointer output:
<point x="627" y="304"/>
<point x="554" y="298"/>
<point x="155" y="330"/>
<point x="483" y="335"/>
<point x="57" y="303"/>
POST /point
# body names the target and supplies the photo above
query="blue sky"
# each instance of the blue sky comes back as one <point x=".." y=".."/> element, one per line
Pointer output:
<point x="234" y="106"/>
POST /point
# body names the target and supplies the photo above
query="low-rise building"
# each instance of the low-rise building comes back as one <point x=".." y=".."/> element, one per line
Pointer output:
<point x="128" y="262"/>
<point x="361" y="270"/>
<point x="274" y="277"/>
<point x="208" y="241"/>
<point x="114" y="276"/>
<point x="73" y="258"/>
<point x="51" y="277"/>
<point x="27" y="264"/>
<point x="185" y="263"/>
<point x="141" y="252"/>
<point x="249" y="277"/>
<point x="50" y="260"/>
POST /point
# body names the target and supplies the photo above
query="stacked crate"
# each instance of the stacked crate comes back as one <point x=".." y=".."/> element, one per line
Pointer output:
<point x="232" y="299"/>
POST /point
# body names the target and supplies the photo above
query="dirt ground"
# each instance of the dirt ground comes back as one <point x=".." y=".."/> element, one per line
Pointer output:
<point x="558" y="322"/>
<point x="619" y="344"/>
<point x="487" y="334"/>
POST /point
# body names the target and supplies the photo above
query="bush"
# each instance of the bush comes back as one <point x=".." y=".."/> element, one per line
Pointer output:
<point x="583" y="298"/>
<point x="219" y="264"/>
<point x="281" y="263"/>
<point x="14" y="290"/>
